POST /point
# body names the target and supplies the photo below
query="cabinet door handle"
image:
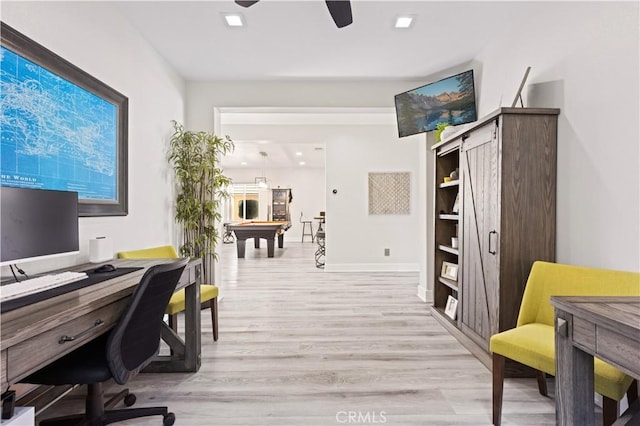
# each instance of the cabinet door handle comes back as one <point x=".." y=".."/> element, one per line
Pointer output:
<point x="494" y="232"/>
<point x="66" y="338"/>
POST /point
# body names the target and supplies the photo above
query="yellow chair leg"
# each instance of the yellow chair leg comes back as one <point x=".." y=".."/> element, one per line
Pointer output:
<point x="609" y="411"/>
<point x="632" y="392"/>
<point x="173" y="322"/>
<point x="498" y="387"/>
<point x="214" y="317"/>
<point x="542" y="382"/>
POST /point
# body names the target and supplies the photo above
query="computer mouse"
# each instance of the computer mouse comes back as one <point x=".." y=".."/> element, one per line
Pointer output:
<point x="104" y="268"/>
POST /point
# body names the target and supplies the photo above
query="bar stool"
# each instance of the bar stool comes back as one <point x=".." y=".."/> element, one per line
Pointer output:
<point x="320" y="252"/>
<point x="304" y="228"/>
<point x="320" y="220"/>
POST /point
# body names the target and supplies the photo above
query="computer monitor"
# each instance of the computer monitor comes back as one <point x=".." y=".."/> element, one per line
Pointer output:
<point x="37" y="223"/>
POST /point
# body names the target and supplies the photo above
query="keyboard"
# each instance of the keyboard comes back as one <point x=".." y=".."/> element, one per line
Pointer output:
<point x="39" y="284"/>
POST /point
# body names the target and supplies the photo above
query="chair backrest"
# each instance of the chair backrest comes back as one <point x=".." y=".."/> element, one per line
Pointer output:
<point x="555" y="279"/>
<point x="135" y="339"/>
<point x="161" y="252"/>
<point x="301" y="217"/>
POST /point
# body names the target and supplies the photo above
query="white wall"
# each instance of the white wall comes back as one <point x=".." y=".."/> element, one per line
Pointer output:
<point x="96" y="39"/>
<point x="202" y="97"/>
<point x="355" y="239"/>
<point x="584" y="58"/>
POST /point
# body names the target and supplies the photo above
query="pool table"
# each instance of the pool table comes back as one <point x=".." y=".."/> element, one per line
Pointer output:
<point x="259" y="229"/>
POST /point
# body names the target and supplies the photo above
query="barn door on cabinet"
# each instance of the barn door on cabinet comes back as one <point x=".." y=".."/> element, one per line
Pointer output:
<point x="480" y="221"/>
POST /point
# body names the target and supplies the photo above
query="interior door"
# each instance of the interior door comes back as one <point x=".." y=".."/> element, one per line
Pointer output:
<point x="480" y="238"/>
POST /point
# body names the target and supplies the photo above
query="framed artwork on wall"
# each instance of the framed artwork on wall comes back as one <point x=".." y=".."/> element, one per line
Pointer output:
<point x="389" y="193"/>
<point x="61" y="128"/>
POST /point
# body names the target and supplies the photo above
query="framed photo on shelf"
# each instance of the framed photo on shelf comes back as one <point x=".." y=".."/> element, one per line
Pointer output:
<point x="449" y="271"/>
<point x="451" y="309"/>
<point x="456" y="204"/>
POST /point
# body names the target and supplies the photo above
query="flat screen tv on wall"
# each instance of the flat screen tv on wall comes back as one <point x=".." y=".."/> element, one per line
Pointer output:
<point x="450" y="100"/>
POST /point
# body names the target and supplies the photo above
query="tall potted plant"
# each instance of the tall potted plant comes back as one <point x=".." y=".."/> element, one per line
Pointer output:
<point x="202" y="185"/>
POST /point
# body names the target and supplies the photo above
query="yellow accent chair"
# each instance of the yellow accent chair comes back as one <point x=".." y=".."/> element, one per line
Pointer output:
<point x="208" y="293"/>
<point x="532" y="341"/>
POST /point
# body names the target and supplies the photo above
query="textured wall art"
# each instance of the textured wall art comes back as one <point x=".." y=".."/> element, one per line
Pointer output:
<point x="390" y="193"/>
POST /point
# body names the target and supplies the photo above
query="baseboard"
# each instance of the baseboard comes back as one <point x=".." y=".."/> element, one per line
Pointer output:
<point x="372" y="267"/>
<point x="425" y="294"/>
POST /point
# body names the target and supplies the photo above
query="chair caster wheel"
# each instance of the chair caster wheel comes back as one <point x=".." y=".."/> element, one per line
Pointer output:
<point x="168" y="419"/>
<point x="129" y="400"/>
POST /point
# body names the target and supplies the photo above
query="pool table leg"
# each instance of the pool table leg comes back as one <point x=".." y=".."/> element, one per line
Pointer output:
<point x="256" y="242"/>
<point x="281" y="240"/>
<point x="241" y="245"/>
<point x="271" y="247"/>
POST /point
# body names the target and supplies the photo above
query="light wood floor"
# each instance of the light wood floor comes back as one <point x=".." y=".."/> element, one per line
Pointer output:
<point x="301" y="346"/>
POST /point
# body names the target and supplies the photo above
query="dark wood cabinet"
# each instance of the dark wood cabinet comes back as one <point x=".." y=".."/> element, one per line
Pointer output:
<point x="280" y="204"/>
<point x="507" y="196"/>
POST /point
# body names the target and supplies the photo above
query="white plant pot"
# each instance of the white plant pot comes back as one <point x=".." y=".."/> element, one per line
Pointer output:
<point x="448" y="131"/>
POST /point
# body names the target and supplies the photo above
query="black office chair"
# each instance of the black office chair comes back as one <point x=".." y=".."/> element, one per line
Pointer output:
<point x="119" y="354"/>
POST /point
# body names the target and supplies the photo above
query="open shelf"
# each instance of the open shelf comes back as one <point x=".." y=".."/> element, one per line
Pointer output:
<point x="449" y="184"/>
<point x="453" y="285"/>
<point x="448" y="249"/>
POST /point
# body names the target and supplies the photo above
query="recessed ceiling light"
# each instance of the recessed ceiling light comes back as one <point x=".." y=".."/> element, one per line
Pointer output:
<point x="244" y="163"/>
<point x="404" y="21"/>
<point x="302" y="163"/>
<point x="234" y="19"/>
<point x="298" y="153"/>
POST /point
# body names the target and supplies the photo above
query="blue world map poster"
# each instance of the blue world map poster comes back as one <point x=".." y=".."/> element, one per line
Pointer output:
<point x="55" y="134"/>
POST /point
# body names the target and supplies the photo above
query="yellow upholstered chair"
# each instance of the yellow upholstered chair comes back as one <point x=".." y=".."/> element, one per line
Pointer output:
<point x="532" y="341"/>
<point x="208" y="293"/>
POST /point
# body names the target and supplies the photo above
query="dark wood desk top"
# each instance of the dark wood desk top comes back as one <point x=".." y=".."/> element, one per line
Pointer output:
<point x="587" y="326"/>
<point x="36" y="327"/>
<point x="620" y="313"/>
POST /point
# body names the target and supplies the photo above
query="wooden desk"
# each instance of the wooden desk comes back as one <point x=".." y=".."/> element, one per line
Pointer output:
<point x="30" y="336"/>
<point x="256" y="230"/>
<point x="607" y="327"/>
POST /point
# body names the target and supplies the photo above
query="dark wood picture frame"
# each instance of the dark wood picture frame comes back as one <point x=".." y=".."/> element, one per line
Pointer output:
<point x="29" y="49"/>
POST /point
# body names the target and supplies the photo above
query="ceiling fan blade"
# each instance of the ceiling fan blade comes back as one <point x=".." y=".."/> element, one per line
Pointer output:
<point x="246" y="3"/>
<point x="340" y="11"/>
